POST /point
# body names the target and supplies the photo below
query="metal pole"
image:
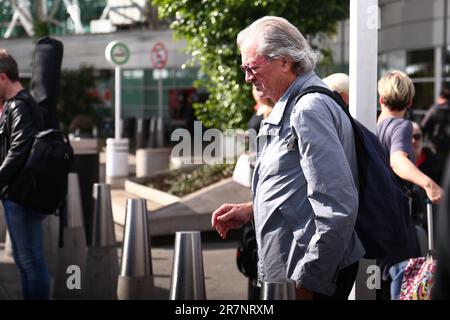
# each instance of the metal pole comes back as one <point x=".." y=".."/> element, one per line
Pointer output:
<point x="430" y="226"/>
<point x="363" y="61"/>
<point x="118" y="133"/>
<point x="444" y="44"/>
<point x="160" y="97"/>
<point x="364" y="25"/>
<point x="278" y="290"/>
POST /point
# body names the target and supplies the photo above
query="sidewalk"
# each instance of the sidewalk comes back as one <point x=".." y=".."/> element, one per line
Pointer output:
<point x="222" y="279"/>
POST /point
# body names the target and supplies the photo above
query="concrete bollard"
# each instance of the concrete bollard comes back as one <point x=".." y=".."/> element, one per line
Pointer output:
<point x="3" y="226"/>
<point x="50" y="227"/>
<point x="151" y="143"/>
<point x="188" y="279"/>
<point x="8" y="254"/>
<point x="71" y="265"/>
<point x="151" y="160"/>
<point x="278" y="290"/>
<point x="160" y="132"/>
<point x="117" y="160"/>
<point x="136" y="275"/>
<point x="102" y="266"/>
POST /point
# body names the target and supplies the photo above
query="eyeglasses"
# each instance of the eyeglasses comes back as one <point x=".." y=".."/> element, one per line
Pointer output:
<point x="251" y="69"/>
<point x="417" y="136"/>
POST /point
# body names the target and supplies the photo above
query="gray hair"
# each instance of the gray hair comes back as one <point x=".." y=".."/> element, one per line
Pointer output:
<point x="277" y="37"/>
<point x="338" y="82"/>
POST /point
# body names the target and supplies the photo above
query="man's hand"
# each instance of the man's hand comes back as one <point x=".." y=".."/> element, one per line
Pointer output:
<point x="230" y="216"/>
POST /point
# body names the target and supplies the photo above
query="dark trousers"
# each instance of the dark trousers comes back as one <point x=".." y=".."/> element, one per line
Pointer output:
<point x="345" y="281"/>
<point x="253" y="290"/>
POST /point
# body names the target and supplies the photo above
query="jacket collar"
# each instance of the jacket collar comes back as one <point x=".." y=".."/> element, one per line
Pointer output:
<point x="277" y="113"/>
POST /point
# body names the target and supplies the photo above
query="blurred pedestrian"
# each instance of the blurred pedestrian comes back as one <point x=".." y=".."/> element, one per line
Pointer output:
<point x="339" y="83"/>
<point x="436" y="126"/>
<point x="428" y="163"/>
<point x="396" y="92"/>
<point x="425" y="158"/>
<point x="247" y="255"/>
<point x="305" y="199"/>
<point x="20" y="121"/>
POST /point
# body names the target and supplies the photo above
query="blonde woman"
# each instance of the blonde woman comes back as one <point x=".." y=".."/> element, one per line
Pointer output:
<point x="396" y="92"/>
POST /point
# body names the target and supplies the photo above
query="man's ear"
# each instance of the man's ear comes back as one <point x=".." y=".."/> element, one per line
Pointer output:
<point x="381" y="100"/>
<point x="286" y="64"/>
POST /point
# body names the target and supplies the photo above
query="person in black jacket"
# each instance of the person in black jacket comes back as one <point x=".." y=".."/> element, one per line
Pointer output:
<point x="436" y="126"/>
<point x="19" y="122"/>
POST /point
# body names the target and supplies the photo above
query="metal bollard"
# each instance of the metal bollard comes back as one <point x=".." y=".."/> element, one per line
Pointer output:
<point x="278" y="290"/>
<point x="50" y="226"/>
<point x="136" y="274"/>
<point x="102" y="266"/>
<point x="2" y="223"/>
<point x="188" y="279"/>
<point x="8" y="253"/>
<point x="71" y="263"/>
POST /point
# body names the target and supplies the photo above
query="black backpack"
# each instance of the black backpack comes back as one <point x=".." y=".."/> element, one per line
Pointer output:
<point x="247" y="252"/>
<point x="42" y="182"/>
<point x="383" y="213"/>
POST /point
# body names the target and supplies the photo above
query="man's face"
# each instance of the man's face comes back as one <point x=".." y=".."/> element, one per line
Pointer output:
<point x="2" y="85"/>
<point x="263" y="73"/>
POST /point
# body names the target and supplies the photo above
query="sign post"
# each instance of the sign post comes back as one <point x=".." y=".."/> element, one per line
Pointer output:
<point x="159" y="56"/>
<point x="117" y="53"/>
<point x="364" y="25"/>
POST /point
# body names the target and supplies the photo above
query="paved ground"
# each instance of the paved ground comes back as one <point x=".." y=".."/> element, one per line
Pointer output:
<point x="222" y="279"/>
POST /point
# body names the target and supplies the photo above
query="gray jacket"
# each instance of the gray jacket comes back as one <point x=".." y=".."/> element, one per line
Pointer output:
<point x="304" y="189"/>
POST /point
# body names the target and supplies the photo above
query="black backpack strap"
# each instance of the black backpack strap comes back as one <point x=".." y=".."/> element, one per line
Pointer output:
<point x="359" y="141"/>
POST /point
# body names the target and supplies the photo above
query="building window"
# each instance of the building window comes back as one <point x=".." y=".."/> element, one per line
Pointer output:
<point x="392" y="60"/>
<point x="423" y="100"/>
<point x="420" y="63"/>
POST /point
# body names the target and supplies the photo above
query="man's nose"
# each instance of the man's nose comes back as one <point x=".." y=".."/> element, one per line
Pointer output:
<point x="249" y="76"/>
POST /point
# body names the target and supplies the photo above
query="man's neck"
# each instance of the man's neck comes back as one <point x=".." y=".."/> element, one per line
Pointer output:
<point x="13" y="90"/>
<point x="386" y="113"/>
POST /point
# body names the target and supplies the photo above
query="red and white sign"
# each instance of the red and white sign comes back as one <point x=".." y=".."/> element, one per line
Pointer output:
<point x="159" y="56"/>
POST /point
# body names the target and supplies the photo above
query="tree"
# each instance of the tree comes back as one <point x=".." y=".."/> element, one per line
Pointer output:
<point x="77" y="99"/>
<point x="210" y="28"/>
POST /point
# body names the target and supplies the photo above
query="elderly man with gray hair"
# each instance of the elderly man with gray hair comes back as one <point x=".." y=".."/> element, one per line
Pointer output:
<point x="339" y="82"/>
<point x="305" y="197"/>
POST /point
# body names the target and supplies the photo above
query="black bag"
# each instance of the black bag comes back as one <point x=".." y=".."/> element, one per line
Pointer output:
<point x="42" y="183"/>
<point x="247" y="252"/>
<point x="383" y="213"/>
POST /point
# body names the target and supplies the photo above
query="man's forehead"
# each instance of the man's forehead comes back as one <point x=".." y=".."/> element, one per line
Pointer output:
<point x="248" y="50"/>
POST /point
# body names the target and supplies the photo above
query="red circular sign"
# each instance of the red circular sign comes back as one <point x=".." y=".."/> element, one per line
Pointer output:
<point x="159" y="56"/>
